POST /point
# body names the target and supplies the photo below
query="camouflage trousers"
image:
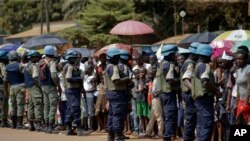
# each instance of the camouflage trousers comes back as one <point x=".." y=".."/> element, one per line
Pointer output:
<point x="17" y="99"/>
<point x="3" y="104"/>
<point x="35" y="109"/>
<point x="50" y="103"/>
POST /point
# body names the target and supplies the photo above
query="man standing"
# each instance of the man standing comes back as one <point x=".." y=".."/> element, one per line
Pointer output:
<point x="186" y="87"/>
<point x="3" y="90"/>
<point x="35" y="109"/>
<point x="116" y="84"/>
<point x="203" y="90"/>
<point x="15" y="78"/>
<point x="49" y="82"/>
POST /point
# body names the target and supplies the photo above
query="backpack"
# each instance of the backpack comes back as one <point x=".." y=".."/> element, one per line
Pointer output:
<point x="42" y="69"/>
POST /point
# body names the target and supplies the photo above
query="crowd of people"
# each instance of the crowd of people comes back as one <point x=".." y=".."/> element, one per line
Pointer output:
<point x="180" y="95"/>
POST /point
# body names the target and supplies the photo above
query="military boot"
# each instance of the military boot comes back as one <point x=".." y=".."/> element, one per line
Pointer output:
<point x="14" y="122"/>
<point x="111" y="136"/>
<point x="20" y="123"/>
<point x="118" y="136"/>
<point x="39" y="126"/>
<point x="69" y="130"/>
<point x="81" y="132"/>
<point x="31" y="126"/>
<point x="5" y="123"/>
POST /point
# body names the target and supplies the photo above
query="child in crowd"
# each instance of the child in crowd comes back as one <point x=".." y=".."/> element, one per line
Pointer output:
<point x="142" y="110"/>
<point x="89" y="83"/>
<point x="62" y="105"/>
<point x="156" y="109"/>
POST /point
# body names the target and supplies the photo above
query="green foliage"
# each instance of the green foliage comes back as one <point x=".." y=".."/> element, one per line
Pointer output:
<point x="19" y="15"/>
<point x="75" y="36"/>
<point x="99" y="17"/>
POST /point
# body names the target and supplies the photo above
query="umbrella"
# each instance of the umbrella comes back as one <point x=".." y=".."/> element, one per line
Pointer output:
<point x="234" y="35"/>
<point x="21" y="50"/>
<point x="43" y="40"/>
<point x="84" y="51"/>
<point x="117" y="45"/>
<point x="220" y="46"/>
<point x="173" y="39"/>
<point x="242" y="43"/>
<point x="131" y="28"/>
<point x="205" y="37"/>
<point x="8" y="47"/>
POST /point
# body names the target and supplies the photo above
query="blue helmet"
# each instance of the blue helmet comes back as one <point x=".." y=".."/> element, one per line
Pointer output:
<point x="3" y="54"/>
<point x="147" y="50"/>
<point x="33" y="53"/>
<point x="70" y="54"/>
<point x="167" y="49"/>
<point x="193" y="47"/>
<point x="50" y="50"/>
<point x="124" y="54"/>
<point x="112" y="52"/>
<point x="13" y="55"/>
<point x="204" y="49"/>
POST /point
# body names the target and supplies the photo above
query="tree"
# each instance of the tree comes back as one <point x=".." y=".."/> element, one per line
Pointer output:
<point x="19" y="15"/>
<point x="99" y="17"/>
<point x="72" y="7"/>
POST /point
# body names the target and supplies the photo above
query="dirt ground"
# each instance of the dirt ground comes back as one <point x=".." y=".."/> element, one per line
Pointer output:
<point x="7" y="134"/>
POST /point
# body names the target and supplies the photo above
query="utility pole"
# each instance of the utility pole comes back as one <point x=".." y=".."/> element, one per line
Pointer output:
<point x="175" y="18"/>
<point x="47" y="15"/>
<point x="41" y="14"/>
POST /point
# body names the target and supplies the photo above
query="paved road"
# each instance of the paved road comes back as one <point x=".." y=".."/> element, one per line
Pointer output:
<point x="7" y="134"/>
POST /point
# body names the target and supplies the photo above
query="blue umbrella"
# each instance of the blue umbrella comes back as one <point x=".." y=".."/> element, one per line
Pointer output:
<point x="205" y="37"/>
<point x="9" y="47"/>
<point x="84" y="51"/>
<point x="43" y="40"/>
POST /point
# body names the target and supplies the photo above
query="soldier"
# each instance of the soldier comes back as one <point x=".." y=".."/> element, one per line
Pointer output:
<point x="31" y="77"/>
<point x="3" y="90"/>
<point x="49" y="82"/>
<point x="186" y="73"/>
<point x="203" y="90"/>
<point x="15" y="78"/>
<point x="117" y="95"/>
<point x="165" y="86"/>
<point x="73" y="83"/>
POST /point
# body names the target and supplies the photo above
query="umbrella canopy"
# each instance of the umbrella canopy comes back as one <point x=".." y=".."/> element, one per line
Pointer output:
<point x="117" y="45"/>
<point x="131" y="28"/>
<point x="173" y="39"/>
<point x="205" y="37"/>
<point x="84" y="51"/>
<point x="8" y="47"/>
<point x="220" y="46"/>
<point x="21" y="50"/>
<point x="43" y="40"/>
<point x="234" y="35"/>
<point x="243" y="43"/>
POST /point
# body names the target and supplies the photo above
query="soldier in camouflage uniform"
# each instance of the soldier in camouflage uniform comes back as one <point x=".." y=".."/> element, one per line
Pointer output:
<point x="3" y="90"/>
<point x="15" y="78"/>
<point x="50" y="82"/>
<point x="35" y="108"/>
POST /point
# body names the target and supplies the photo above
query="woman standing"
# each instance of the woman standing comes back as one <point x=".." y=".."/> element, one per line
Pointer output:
<point x="243" y="82"/>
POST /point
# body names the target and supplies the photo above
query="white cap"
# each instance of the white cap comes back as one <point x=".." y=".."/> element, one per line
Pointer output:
<point x="227" y="57"/>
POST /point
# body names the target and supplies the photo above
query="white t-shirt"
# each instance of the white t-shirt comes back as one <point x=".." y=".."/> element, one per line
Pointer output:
<point x="89" y="83"/>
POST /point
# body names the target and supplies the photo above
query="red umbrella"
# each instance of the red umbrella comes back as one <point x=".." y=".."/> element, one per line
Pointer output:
<point x="131" y="28"/>
<point x="117" y="45"/>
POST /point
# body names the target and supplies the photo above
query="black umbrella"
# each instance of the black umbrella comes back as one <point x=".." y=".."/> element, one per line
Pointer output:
<point x="43" y="40"/>
<point x="205" y="37"/>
